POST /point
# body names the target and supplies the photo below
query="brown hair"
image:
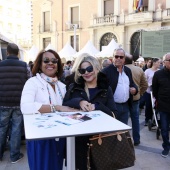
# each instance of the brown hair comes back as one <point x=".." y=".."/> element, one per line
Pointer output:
<point x="12" y="49"/>
<point x="38" y="61"/>
<point x="154" y="60"/>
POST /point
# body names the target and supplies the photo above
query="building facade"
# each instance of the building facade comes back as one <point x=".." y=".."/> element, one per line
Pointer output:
<point x="61" y="21"/>
<point x="16" y="21"/>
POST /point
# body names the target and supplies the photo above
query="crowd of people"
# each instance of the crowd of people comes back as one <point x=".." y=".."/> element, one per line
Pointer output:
<point x="113" y="86"/>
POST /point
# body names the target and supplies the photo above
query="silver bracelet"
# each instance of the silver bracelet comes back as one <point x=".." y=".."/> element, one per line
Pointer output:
<point x="51" y="107"/>
<point x="54" y="109"/>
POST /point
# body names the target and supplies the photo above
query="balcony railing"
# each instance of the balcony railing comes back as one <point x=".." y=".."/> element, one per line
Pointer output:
<point x="166" y="14"/>
<point x="45" y="28"/>
<point x="132" y="18"/>
<point x="107" y="19"/>
<point x="139" y="17"/>
<point x="70" y="26"/>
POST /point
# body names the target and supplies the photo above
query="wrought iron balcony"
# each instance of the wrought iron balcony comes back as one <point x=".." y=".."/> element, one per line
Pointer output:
<point x="45" y="28"/>
<point x="70" y="26"/>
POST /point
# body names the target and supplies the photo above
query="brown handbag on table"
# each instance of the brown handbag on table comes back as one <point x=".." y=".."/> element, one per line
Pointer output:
<point x="111" y="151"/>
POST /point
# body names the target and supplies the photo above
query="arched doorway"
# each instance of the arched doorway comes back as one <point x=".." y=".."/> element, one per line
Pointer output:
<point x="135" y="45"/>
<point x="106" y="38"/>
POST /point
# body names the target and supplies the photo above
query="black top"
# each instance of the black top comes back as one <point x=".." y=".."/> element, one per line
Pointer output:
<point x="101" y="96"/>
<point x="13" y="75"/>
<point x="113" y="76"/>
<point x="161" y="89"/>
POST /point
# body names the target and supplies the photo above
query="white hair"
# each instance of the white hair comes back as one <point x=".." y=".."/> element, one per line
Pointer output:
<point x="164" y="57"/>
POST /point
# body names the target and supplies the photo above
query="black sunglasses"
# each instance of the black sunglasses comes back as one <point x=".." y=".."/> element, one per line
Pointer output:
<point x="83" y="70"/>
<point x="119" y="56"/>
<point x="53" y="60"/>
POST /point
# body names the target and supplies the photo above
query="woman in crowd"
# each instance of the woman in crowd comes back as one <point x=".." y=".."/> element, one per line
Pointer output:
<point x="43" y="93"/>
<point x="89" y="92"/>
<point x="155" y="64"/>
<point x="70" y="79"/>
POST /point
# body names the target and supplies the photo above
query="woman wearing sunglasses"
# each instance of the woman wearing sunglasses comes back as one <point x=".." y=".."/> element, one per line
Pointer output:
<point x="89" y="92"/>
<point x="44" y="93"/>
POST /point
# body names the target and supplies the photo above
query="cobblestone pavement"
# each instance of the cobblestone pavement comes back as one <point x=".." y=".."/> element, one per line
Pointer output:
<point x="147" y="153"/>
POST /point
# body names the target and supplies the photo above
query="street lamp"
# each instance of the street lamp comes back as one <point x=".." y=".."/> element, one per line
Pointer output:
<point x="73" y="26"/>
<point x="71" y="140"/>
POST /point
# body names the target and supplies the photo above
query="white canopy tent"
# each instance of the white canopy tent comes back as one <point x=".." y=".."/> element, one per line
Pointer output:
<point x="108" y="50"/>
<point x="32" y="53"/>
<point x="88" y="48"/>
<point x="140" y="59"/>
<point x="50" y="47"/>
<point x="3" y="46"/>
<point x="67" y="52"/>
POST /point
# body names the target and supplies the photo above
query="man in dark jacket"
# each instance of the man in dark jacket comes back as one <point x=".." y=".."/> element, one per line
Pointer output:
<point x="121" y="82"/>
<point x="161" y="91"/>
<point x="13" y="75"/>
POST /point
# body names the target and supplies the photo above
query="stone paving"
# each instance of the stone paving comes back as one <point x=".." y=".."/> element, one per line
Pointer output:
<point x="147" y="153"/>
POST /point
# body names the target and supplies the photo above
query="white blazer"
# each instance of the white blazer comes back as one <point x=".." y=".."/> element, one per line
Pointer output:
<point x="35" y="93"/>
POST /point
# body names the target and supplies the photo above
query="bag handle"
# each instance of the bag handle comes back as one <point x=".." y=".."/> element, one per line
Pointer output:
<point x="107" y="135"/>
<point x="88" y="156"/>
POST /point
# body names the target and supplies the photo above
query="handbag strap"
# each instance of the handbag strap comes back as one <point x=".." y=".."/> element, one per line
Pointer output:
<point x="107" y="135"/>
<point x="88" y="156"/>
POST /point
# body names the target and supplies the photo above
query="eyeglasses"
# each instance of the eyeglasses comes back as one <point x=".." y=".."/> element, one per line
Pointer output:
<point x="53" y="60"/>
<point x="167" y="60"/>
<point x="83" y="70"/>
<point x="118" y="56"/>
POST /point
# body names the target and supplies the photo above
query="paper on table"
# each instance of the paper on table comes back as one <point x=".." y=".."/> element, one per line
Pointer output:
<point x="50" y="120"/>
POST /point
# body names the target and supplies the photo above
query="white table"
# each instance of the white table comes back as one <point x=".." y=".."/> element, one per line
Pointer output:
<point x="100" y="124"/>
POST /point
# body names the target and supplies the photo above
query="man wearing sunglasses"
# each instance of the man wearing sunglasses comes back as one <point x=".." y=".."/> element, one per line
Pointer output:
<point x="161" y="91"/>
<point x="121" y="82"/>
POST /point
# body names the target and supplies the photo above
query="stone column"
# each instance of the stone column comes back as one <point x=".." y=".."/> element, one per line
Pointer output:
<point x="151" y="5"/>
<point x="131" y="10"/>
<point x="116" y="7"/>
<point x="167" y="4"/>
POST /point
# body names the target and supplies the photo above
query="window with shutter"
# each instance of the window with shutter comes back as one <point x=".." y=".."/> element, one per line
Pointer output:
<point x="46" y="17"/>
<point x="108" y="7"/>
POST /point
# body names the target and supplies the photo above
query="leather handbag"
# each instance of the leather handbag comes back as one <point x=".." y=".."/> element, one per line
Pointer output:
<point x="111" y="151"/>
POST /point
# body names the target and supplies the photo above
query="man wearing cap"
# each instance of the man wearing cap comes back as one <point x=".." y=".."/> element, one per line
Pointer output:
<point x="13" y="75"/>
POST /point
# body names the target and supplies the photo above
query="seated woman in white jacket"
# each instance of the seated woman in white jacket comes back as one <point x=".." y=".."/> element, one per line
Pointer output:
<point x="43" y="93"/>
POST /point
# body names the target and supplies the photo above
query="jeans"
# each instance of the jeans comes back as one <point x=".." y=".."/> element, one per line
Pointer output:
<point x="134" y="114"/>
<point x="123" y="112"/>
<point x="16" y="118"/>
<point x="148" y="107"/>
<point x="142" y="102"/>
<point x="165" y="120"/>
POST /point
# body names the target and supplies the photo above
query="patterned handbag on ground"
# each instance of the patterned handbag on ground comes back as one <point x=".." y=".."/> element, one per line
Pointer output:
<point x="111" y="151"/>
